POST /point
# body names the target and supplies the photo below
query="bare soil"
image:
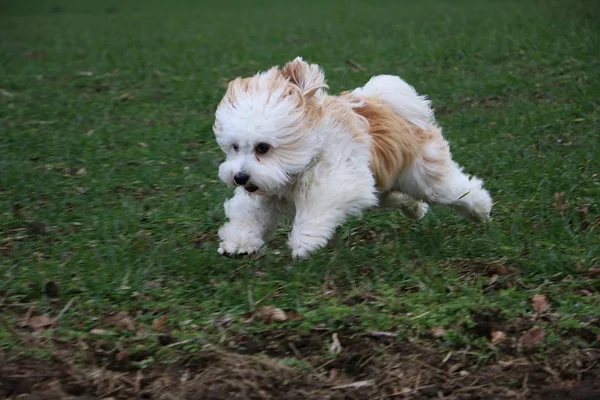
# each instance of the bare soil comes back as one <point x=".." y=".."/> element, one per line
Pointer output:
<point x="253" y="366"/>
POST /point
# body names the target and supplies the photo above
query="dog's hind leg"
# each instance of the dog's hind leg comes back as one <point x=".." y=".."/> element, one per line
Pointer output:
<point x="409" y="207"/>
<point x="434" y="177"/>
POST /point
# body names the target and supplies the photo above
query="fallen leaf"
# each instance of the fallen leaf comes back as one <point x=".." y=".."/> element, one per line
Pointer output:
<point x="492" y="123"/>
<point x="144" y="145"/>
<point x="508" y="136"/>
<point x="6" y="93"/>
<point x="356" y="385"/>
<point x="503" y="269"/>
<point x="85" y="73"/>
<point x="584" y="209"/>
<point x="40" y="321"/>
<point x="438" y="331"/>
<point x="294" y="316"/>
<point x="122" y="355"/>
<point x="335" y="346"/>
<point x="593" y="272"/>
<point x="81" y="171"/>
<point x="559" y="202"/>
<point x="497" y="336"/>
<point x="271" y="314"/>
<point x="539" y="303"/>
<point x="96" y="331"/>
<point x="159" y="323"/>
<point x="121" y="320"/>
<point x="533" y="337"/>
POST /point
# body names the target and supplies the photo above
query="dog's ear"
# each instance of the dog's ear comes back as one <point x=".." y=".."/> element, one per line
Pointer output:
<point x="308" y="77"/>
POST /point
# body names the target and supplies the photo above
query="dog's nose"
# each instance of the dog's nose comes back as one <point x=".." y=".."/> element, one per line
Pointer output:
<point x="241" y="178"/>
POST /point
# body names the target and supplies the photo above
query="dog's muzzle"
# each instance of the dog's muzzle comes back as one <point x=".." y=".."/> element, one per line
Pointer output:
<point x="241" y="178"/>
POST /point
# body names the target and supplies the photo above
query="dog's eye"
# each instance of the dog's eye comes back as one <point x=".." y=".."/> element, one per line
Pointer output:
<point x="262" y="148"/>
<point x="235" y="147"/>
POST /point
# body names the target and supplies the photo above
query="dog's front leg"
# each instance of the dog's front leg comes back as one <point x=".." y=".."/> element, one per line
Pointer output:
<point x="324" y="207"/>
<point x="312" y="229"/>
<point x="250" y="219"/>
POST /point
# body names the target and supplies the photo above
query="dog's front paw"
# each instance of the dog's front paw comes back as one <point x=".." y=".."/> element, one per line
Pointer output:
<point x="231" y="248"/>
<point x="303" y="245"/>
<point x="235" y="241"/>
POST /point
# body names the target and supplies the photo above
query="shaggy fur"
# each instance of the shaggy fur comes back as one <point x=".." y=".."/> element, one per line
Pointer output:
<point x="293" y="150"/>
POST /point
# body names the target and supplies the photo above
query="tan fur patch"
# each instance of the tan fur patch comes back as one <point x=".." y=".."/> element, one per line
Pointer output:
<point x="300" y="72"/>
<point x="308" y="77"/>
<point x="395" y="142"/>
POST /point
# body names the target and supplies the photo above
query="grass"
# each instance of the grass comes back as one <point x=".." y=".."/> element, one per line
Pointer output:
<point x="108" y="167"/>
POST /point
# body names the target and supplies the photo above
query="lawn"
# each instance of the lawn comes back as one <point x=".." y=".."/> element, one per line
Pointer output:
<point x="112" y="285"/>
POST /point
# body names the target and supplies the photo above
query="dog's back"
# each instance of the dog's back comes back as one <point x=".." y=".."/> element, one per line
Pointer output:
<point x="401" y="97"/>
<point x="400" y="123"/>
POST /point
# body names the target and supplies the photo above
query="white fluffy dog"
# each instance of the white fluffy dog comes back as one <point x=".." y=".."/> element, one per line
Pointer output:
<point x="293" y="150"/>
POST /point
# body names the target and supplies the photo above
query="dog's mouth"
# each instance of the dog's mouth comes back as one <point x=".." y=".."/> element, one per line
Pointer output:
<point x="251" y="188"/>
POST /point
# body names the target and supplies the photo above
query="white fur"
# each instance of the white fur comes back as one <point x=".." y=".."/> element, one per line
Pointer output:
<point x="319" y="175"/>
<point x="456" y="189"/>
<point x="446" y="184"/>
<point x="402" y="97"/>
<point x="320" y="198"/>
<point x="329" y="191"/>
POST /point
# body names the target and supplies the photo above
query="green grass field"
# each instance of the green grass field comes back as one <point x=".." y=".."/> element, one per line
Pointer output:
<point x="110" y="202"/>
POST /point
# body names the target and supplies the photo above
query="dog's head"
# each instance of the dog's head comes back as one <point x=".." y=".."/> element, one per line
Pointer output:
<point x="264" y="125"/>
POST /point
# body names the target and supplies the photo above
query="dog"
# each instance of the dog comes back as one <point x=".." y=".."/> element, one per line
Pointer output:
<point x="294" y="150"/>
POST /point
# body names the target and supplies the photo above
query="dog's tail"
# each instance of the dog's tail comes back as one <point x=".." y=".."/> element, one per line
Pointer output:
<point x="401" y="97"/>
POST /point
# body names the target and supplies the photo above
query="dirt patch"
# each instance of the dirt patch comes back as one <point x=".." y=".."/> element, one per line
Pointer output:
<point x="283" y="365"/>
<point x="500" y="275"/>
<point x="586" y="390"/>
